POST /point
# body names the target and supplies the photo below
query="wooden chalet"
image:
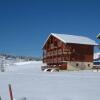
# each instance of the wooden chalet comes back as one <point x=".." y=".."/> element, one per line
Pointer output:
<point x="68" y="52"/>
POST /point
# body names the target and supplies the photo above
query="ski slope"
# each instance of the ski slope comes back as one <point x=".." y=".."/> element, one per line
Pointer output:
<point x="29" y="81"/>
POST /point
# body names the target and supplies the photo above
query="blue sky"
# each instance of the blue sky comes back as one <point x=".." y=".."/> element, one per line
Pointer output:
<point x="25" y="24"/>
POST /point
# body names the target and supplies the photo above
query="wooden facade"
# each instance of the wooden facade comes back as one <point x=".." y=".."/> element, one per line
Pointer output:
<point x="58" y="54"/>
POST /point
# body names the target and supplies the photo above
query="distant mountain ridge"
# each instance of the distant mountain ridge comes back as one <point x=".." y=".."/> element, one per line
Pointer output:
<point x="23" y="58"/>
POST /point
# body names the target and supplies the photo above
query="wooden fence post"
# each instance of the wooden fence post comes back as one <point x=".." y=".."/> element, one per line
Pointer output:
<point x="10" y="92"/>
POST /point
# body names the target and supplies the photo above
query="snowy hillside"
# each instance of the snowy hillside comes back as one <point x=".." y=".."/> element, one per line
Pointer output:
<point x="29" y="81"/>
<point x="8" y="60"/>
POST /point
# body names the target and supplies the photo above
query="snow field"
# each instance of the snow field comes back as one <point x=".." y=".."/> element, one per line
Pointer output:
<point x="29" y="81"/>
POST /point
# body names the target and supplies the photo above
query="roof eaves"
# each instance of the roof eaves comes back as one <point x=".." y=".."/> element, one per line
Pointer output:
<point x="46" y="41"/>
<point x="58" y="37"/>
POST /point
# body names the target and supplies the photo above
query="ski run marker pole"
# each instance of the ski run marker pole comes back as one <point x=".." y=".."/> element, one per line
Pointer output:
<point x="10" y="92"/>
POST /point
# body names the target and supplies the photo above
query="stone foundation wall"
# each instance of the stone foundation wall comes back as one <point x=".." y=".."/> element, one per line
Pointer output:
<point x="79" y="65"/>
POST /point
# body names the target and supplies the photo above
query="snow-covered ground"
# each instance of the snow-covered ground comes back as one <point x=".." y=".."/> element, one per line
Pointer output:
<point x="29" y="81"/>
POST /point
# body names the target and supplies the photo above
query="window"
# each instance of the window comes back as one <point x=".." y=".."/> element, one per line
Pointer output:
<point x="60" y="51"/>
<point x="55" y="52"/>
<point x="77" y="64"/>
<point x="55" y="43"/>
<point x="59" y="43"/>
<point x="52" y="46"/>
<point x="88" y="65"/>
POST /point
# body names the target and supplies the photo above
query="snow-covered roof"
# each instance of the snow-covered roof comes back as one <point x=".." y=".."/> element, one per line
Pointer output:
<point x="66" y="38"/>
<point x="73" y="39"/>
<point x="98" y="36"/>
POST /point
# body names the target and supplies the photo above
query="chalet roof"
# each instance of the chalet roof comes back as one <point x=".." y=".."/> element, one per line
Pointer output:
<point x="73" y="39"/>
<point x="98" y="36"/>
